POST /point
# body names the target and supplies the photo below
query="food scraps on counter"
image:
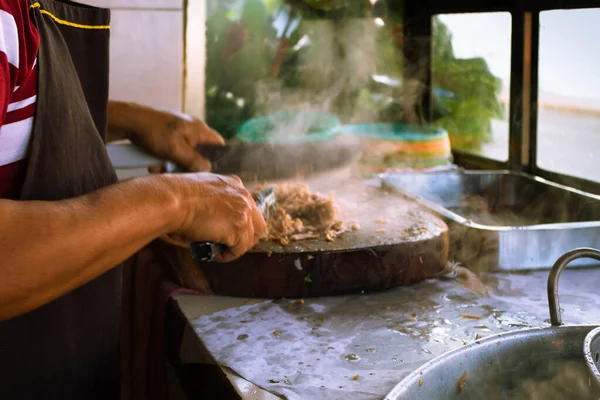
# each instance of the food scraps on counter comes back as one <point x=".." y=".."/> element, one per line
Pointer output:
<point x="462" y="382"/>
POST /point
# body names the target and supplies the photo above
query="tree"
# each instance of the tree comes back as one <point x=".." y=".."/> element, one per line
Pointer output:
<point x="261" y="54"/>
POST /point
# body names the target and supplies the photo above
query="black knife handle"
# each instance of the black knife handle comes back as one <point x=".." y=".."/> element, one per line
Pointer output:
<point x="206" y="251"/>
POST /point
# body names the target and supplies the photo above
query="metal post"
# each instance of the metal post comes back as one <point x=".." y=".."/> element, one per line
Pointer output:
<point x="523" y="90"/>
<point x="417" y="63"/>
<point x="534" y="68"/>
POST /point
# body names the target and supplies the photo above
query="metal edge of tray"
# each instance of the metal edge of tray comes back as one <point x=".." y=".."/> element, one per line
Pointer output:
<point x="459" y="219"/>
<point x="507" y="237"/>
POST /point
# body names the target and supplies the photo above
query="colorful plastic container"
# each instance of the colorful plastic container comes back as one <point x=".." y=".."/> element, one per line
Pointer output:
<point x="388" y="146"/>
<point x="289" y="127"/>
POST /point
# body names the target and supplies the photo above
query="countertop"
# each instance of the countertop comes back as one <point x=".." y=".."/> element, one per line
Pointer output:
<point x="361" y="346"/>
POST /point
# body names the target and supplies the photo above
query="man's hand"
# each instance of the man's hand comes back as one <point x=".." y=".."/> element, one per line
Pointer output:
<point x="176" y="139"/>
<point x="216" y="209"/>
<point x="81" y="238"/>
<point x="165" y="135"/>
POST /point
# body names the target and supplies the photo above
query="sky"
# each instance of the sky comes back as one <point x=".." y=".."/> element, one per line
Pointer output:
<point x="569" y="48"/>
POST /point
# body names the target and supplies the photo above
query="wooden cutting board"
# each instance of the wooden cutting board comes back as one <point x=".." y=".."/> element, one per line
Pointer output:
<point x="398" y="244"/>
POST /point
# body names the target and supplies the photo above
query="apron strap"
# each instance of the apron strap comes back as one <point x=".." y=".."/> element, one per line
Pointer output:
<point x="67" y="156"/>
<point x="69" y="348"/>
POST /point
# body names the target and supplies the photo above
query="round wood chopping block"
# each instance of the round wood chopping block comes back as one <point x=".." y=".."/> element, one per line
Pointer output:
<point x="293" y="275"/>
<point x="398" y="244"/>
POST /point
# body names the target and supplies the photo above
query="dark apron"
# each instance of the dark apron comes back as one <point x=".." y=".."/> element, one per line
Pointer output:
<point x="67" y="349"/>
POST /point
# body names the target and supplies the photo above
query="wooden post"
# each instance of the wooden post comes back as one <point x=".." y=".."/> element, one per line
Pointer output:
<point x="194" y="62"/>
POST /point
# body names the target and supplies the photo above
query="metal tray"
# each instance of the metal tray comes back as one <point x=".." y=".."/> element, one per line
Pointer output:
<point x="502" y="220"/>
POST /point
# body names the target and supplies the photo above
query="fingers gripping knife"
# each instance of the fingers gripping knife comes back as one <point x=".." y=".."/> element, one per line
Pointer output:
<point x="125" y="155"/>
<point x="207" y="251"/>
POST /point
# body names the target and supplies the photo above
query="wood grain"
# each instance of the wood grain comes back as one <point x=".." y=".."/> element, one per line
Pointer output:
<point x="412" y="247"/>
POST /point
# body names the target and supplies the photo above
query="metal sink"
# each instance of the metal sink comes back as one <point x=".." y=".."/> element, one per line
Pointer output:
<point x="502" y="220"/>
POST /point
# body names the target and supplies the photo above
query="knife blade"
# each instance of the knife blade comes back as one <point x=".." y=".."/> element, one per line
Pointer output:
<point x="208" y="251"/>
<point x="125" y="155"/>
<point x="213" y="153"/>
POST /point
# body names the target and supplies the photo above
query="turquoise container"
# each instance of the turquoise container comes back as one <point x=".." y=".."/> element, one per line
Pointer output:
<point x="289" y="127"/>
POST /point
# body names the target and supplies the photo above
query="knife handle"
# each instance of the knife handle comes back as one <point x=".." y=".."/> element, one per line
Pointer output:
<point x="206" y="251"/>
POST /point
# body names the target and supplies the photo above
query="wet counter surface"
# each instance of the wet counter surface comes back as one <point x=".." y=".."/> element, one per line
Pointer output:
<point x="361" y="346"/>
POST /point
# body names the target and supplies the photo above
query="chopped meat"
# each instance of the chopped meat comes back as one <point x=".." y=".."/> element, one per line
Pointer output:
<point x="299" y="214"/>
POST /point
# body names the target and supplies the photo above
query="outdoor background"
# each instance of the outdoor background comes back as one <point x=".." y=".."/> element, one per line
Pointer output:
<point x="569" y="83"/>
<point x="345" y="57"/>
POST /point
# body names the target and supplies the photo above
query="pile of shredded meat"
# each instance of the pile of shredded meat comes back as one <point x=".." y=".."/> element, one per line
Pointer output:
<point x="299" y="214"/>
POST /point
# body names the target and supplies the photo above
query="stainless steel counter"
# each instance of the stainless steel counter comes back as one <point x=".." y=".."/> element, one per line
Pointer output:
<point x="359" y="347"/>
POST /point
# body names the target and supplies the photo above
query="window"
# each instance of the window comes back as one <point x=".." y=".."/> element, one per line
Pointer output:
<point x="569" y="93"/>
<point x="270" y="56"/>
<point x="471" y="81"/>
<point x="265" y="57"/>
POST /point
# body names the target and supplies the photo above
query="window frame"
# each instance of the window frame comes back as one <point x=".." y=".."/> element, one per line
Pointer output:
<point x="523" y="97"/>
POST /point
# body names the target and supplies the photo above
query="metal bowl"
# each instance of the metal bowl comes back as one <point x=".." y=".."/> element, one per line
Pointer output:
<point x="540" y="363"/>
<point x="591" y="350"/>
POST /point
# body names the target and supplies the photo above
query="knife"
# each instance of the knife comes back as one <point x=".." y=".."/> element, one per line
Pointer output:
<point x="213" y="152"/>
<point x="125" y="155"/>
<point x="207" y="251"/>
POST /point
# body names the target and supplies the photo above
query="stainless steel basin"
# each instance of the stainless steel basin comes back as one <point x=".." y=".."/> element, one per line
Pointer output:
<point x="530" y="364"/>
<point x="501" y="220"/>
<point x="541" y="363"/>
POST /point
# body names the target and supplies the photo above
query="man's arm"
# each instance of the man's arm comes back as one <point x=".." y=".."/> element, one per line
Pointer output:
<point x="51" y="248"/>
<point x="166" y="135"/>
<point x="126" y="120"/>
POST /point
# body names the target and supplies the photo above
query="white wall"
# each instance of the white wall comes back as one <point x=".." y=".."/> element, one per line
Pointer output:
<point x="147" y="51"/>
<point x="149" y="63"/>
<point x="195" y="58"/>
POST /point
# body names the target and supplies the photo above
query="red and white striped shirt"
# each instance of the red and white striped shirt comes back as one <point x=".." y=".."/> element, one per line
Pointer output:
<point x="19" y="43"/>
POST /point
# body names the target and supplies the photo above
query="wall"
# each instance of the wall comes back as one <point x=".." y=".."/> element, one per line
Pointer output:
<point x="195" y="58"/>
<point x="147" y="51"/>
<point x="149" y="62"/>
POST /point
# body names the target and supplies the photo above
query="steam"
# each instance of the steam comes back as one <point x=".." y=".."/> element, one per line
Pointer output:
<point x="336" y="57"/>
<point x="551" y="379"/>
<point x="415" y="87"/>
<point x="337" y="62"/>
<point x="570" y="380"/>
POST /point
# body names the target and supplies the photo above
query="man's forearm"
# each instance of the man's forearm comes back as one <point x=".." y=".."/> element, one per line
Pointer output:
<point x="122" y="120"/>
<point x="69" y="243"/>
<point x="127" y="119"/>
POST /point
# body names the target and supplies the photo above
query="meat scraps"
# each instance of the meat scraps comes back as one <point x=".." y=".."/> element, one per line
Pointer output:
<point x="300" y="215"/>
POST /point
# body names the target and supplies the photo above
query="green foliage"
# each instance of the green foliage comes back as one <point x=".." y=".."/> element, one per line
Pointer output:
<point x="255" y="17"/>
<point x="475" y="102"/>
<point x="242" y="52"/>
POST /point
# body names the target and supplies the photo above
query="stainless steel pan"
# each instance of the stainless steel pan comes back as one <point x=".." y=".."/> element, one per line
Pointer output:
<point x="591" y="350"/>
<point x="540" y="363"/>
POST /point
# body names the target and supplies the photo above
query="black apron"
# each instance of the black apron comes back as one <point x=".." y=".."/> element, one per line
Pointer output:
<point x="68" y="349"/>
